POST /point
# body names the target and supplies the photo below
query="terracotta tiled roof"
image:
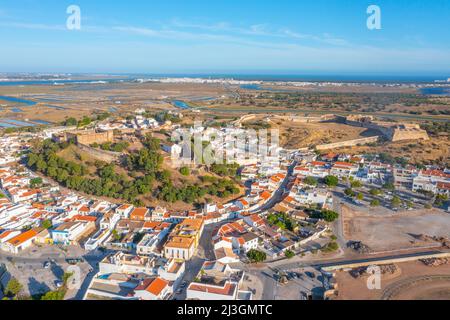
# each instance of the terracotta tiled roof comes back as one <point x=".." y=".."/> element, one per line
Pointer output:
<point x="21" y="238"/>
<point x="157" y="286"/>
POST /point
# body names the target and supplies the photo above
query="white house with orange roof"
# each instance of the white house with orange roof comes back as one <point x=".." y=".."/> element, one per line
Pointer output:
<point x="159" y="214"/>
<point x="319" y="197"/>
<point x="173" y="271"/>
<point x="20" y="242"/>
<point x="254" y="221"/>
<point x="142" y="214"/>
<point x="246" y="242"/>
<point x="153" y="289"/>
<point x="344" y="169"/>
<point x="223" y="251"/>
<point x="8" y="234"/>
<point x="125" y="210"/>
<point x="21" y="195"/>
<point x="435" y="181"/>
<point x="184" y="239"/>
<point x="242" y="204"/>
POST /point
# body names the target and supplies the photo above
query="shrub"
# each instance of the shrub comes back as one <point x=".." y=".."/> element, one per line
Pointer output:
<point x="289" y="254"/>
<point x="331" y="181"/>
<point x="185" y="171"/>
<point x="256" y="256"/>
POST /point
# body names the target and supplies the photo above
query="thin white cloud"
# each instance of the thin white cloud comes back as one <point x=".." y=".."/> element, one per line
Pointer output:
<point x="263" y="30"/>
<point x="221" y="31"/>
<point x="48" y="27"/>
<point x="193" y="36"/>
<point x="32" y="26"/>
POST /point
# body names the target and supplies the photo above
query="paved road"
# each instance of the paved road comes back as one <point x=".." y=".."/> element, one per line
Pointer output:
<point x="270" y="285"/>
<point x="338" y="262"/>
<point x="88" y="271"/>
<point x="205" y="251"/>
<point x="278" y="195"/>
<point x="337" y="225"/>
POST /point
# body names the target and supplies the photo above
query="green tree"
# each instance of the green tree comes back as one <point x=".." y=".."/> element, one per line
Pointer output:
<point x="389" y="186"/>
<point x="349" y="192"/>
<point x="375" y="192"/>
<point x="35" y="182"/>
<point x="327" y="215"/>
<point x="310" y="181"/>
<point x="331" y="181"/>
<point x="47" y="224"/>
<point x="256" y="256"/>
<point x="396" y="202"/>
<point x="116" y="235"/>
<point x="440" y="200"/>
<point x="375" y="203"/>
<point x="54" y="295"/>
<point x="331" y="247"/>
<point x="185" y="171"/>
<point x="13" y="288"/>
<point x="70" y="122"/>
<point x="356" y="184"/>
<point x="360" y="196"/>
<point x="289" y="254"/>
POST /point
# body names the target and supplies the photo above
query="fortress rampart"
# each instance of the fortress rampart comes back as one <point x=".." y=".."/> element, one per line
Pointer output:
<point x="348" y="143"/>
<point x="392" y="131"/>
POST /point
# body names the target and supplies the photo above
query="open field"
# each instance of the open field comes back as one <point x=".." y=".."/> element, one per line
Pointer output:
<point x="55" y="103"/>
<point x="394" y="231"/>
<point x="413" y="281"/>
<point x="436" y="150"/>
<point x="83" y="99"/>
<point x="301" y="135"/>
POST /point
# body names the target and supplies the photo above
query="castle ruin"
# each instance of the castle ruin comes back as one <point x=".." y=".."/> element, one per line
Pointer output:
<point x="392" y="131"/>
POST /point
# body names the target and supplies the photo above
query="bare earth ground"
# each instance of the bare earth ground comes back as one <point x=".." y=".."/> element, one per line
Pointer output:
<point x="410" y="283"/>
<point x="301" y="135"/>
<point x="349" y="89"/>
<point x="394" y="231"/>
<point x="437" y="148"/>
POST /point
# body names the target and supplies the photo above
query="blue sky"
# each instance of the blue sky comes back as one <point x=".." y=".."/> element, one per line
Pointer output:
<point x="246" y="36"/>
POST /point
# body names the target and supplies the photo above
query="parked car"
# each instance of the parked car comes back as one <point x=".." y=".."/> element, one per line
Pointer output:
<point x="74" y="261"/>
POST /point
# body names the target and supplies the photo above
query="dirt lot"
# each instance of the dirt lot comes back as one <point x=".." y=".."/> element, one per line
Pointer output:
<point x="299" y="135"/>
<point x="414" y="281"/>
<point x="437" y="149"/>
<point x="394" y="231"/>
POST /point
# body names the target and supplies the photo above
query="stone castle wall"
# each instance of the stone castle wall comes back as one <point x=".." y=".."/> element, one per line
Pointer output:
<point x="102" y="155"/>
<point x="348" y="143"/>
<point x="392" y="131"/>
<point x="90" y="137"/>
